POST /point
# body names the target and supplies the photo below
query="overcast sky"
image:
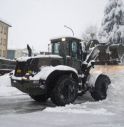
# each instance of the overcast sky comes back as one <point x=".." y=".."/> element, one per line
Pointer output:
<point x="37" y="21"/>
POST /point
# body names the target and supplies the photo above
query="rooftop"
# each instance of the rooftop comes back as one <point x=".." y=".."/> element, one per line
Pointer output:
<point x="5" y="23"/>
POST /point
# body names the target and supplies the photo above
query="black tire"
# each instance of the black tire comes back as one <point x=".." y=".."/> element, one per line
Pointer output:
<point x="101" y="87"/>
<point x="65" y="91"/>
<point x="39" y="98"/>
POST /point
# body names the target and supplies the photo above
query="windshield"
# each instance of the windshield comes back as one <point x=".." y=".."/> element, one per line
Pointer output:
<point x="55" y="48"/>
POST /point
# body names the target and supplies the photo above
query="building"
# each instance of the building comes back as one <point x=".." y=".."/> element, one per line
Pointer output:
<point x="3" y="38"/>
<point x="13" y="54"/>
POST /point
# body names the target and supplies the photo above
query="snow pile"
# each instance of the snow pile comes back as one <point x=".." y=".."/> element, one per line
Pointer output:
<point x="5" y="86"/>
<point x="5" y="80"/>
<point x="116" y="90"/>
<point x="109" y="107"/>
<point x="79" y="109"/>
<point x="24" y="59"/>
<point x="112" y="105"/>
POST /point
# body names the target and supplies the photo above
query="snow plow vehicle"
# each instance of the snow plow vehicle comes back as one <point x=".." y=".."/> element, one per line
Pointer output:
<point x="62" y="75"/>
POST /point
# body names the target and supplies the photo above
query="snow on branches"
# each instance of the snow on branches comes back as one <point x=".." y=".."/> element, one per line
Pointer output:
<point x="112" y="29"/>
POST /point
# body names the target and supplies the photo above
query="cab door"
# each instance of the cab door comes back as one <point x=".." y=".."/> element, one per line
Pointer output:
<point x="76" y="55"/>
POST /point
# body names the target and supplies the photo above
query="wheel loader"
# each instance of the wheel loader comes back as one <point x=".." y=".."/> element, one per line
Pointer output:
<point x="62" y="75"/>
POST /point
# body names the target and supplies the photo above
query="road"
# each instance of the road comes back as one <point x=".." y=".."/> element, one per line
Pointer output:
<point x="22" y="103"/>
<point x="20" y="110"/>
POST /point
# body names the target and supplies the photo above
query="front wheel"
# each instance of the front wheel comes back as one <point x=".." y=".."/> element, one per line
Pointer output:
<point x="101" y="86"/>
<point x="65" y="91"/>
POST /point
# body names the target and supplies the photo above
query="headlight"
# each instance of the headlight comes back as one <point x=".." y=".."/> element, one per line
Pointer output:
<point x="18" y="71"/>
<point x="29" y="71"/>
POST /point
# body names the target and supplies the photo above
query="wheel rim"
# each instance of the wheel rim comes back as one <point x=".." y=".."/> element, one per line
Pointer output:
<point x="68" y="91"/>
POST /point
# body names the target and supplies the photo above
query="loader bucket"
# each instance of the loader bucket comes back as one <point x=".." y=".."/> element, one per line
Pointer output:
<point x="117" y="51"/>
<point x="110" y="54"/>
<point x="103" y="56"/>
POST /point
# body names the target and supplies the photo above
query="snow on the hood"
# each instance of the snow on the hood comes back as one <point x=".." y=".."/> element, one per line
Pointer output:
<point x="21" y="59"/>
<point x="45" y="71"/>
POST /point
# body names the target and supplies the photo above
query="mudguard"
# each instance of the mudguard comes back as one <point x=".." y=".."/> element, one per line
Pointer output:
<point x="46" y="71"/>
<point x="93" y="77"/>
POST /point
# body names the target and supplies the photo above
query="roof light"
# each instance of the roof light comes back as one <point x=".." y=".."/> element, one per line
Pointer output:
<point x="63" y="39"/>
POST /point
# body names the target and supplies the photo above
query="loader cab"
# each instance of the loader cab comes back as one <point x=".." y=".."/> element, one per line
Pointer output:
<point x="70" y="49"/>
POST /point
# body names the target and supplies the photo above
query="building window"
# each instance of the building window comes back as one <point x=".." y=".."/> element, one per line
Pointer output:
<point x="4" y="43"/>
<point x="0" y="52"/>
<point x="1" y="41"/>
<point x="4" y="53"/>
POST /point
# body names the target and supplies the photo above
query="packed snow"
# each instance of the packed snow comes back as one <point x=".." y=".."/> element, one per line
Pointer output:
<point x="46" y="71"/>
<point x="5" y="87"/>
<point x="84" y="112"/>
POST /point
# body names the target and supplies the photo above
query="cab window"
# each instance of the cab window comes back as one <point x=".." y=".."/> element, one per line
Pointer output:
<point x="74" y="49"/>
<point x="56" y="47"/>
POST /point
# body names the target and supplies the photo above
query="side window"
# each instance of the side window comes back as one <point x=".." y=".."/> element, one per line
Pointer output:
<point x="74" y="49"/>
<point x="56" y="48"/>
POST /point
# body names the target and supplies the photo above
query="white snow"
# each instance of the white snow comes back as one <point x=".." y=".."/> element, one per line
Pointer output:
<point x="5" y="87"/>
<point x="79" y="109"/>
<point x="112" y="27"/>
<point x="46" y="71"/>
<point x="84" y="112"/>
<point x="23" y="59"/>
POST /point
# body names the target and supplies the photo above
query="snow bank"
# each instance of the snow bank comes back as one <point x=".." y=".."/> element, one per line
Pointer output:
<point x="79" y="109"/>
<point x="9" y="91"/>
<point x="116" y="90"/>
<point x="112" y="105"/>
<point x="5" y="87"/>
<point x="5" y="80"/>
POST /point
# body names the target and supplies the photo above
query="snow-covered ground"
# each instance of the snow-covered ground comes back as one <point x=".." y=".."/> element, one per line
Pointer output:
<point x="17" y="109"/>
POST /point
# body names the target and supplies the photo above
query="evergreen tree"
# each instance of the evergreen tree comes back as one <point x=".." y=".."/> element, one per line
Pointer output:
<point x="112" y="29"/>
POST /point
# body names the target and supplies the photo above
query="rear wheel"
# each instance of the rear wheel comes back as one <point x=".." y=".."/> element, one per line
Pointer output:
<point x="65" y="91"/>
<point x="39" y="98"/>
<point x="101" y="87"/>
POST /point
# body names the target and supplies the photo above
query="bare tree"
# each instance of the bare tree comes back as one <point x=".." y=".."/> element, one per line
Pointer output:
<point x="90" y="33"/>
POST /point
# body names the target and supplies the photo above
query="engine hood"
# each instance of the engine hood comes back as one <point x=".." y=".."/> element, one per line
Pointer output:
<point x="41" y="60"/>
<point x="24" y="59"/>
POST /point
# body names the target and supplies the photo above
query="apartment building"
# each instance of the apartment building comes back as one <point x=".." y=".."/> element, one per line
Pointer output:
<point x="3" y="38"/>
